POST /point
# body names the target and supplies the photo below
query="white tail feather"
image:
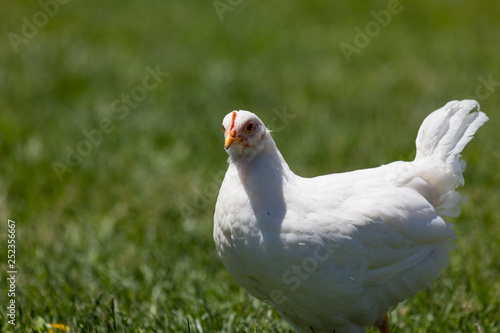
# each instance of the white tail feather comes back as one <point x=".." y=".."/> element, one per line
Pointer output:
<point x="446" y="131"/>
<point x="441" y="138"/>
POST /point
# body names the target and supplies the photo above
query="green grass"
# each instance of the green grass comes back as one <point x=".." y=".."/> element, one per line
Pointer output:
<point x="123" y="241"/>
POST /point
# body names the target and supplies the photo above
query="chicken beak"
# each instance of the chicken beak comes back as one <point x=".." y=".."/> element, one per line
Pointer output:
<point x="230" y="139"/>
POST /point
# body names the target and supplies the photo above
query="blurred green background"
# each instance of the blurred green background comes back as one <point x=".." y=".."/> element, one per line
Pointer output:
<point x="111" y="173"/>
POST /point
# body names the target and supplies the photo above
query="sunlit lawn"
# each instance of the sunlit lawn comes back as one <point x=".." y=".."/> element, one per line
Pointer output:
<point x="112" y="150"/>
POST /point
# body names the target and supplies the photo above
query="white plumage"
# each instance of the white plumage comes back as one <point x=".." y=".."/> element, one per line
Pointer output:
<point x="335" y="253"/>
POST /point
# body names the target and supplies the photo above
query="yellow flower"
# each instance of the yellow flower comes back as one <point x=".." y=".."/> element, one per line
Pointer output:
<point x="53" y="328"/>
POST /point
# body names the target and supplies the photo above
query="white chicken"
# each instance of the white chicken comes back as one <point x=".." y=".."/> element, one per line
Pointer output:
<point x="335" y="253"/>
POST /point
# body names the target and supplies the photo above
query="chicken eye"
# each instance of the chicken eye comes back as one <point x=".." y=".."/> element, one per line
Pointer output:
<point x="223" y="128"/>
<point x="250" y="127"/>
